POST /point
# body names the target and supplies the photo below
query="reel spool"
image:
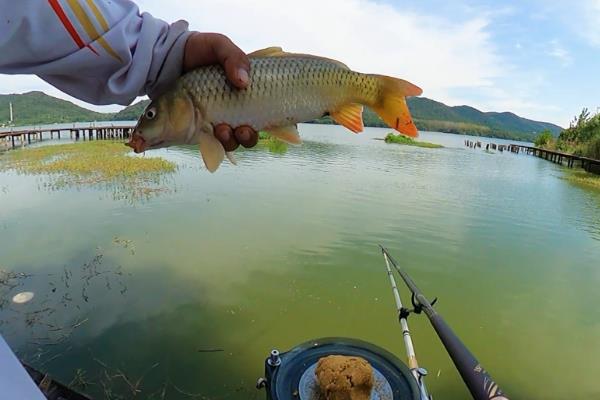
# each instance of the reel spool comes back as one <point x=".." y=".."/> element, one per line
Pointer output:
<point x="291" y="375"/>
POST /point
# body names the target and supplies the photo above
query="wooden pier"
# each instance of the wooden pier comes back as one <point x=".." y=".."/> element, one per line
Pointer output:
<point x="588" y="164"/>
<point x="21" y="137"/>
<point x="557" y="157"/>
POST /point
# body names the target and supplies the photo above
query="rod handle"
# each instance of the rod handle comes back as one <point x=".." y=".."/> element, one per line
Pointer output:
<point x="478" y="381"/>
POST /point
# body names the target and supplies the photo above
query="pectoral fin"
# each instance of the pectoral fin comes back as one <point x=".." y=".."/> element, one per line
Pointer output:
<point x="349" y="116"/>
<point x="211" y="149"/>
<point x="287" y="134"/>
<point x="231" y="157"/>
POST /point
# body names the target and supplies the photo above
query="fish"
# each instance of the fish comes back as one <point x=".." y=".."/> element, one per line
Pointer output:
<point x="284" y="90"/>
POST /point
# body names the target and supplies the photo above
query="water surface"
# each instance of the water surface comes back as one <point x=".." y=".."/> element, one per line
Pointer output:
<point x="191" y="289"/>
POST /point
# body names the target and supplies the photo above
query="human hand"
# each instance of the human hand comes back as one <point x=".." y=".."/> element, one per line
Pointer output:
<point x="214" y="48"/>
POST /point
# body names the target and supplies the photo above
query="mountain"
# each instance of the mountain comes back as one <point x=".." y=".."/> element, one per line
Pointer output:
<point x="39" y="108"/>
<point x="431" y="115"/>
<point x="132" y="112"/>
<point x="496" y="123"/>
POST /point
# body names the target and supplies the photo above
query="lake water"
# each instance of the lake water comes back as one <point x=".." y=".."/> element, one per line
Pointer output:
<point x="188" y="291"/>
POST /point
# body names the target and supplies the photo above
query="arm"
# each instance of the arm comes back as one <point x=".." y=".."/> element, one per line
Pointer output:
<point x="106" y="52"/>
<point x="94" y="51"/>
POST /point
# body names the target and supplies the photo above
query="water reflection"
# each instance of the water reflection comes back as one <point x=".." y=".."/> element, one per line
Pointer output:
<point x="185" y="293"/>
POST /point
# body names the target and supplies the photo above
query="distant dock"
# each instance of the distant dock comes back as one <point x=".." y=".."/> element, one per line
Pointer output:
<point x="557" y="157"/>
<point x="19" y="137"/>
<point x="588" y="164"/>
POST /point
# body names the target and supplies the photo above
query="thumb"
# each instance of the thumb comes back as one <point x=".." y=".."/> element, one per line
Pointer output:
<point x="214" y="48"/>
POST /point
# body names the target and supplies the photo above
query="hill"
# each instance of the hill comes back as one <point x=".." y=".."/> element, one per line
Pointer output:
<point x="39" y="108"/>
<point x="431" y="115"/>
<point x="498" y="122"/>
<point x="132" y="112"/>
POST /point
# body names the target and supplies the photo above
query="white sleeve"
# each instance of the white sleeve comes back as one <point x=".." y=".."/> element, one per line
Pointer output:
<point x="99" y="51"/>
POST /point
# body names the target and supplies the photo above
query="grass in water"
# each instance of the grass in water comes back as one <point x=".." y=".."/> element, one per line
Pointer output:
<point x="401" y="139"/>
<point x="273" y="144"/>
<point x="583" y="178"/>
<point x="93" y="163"/>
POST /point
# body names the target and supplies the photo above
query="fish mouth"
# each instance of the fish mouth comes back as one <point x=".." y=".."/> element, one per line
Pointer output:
<point x="139" y="144"/>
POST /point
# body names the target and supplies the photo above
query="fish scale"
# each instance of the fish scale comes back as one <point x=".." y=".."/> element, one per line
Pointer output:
<point x="284" y="89"/>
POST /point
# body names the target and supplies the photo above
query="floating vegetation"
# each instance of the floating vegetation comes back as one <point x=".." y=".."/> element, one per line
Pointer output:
<point x="401" y="139"/>
<point x="8" y="281"/>
<point x="113" y="383"/>
<point x="58" y="308"/>
<point x="583" y="178"/>
<point x="273" y="144"/>
<point x="125" y="243"/>
<point x="97" y="163"/>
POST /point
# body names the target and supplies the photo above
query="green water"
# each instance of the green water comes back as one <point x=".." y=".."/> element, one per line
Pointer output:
<point x="283" y="249"/>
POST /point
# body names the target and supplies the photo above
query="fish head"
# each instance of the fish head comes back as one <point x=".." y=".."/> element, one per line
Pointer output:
<point x="166" y="121"/>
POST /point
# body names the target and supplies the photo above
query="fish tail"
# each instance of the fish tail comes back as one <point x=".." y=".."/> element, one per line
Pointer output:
<point x="390" y="104"/>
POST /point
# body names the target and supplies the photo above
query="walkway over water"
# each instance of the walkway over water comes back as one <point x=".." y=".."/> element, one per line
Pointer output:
<point x="22" y="137"/>
<point x="557" y="157"/>
<point x="588" y="164"/>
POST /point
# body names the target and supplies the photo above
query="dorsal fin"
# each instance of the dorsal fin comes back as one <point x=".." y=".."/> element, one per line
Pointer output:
<point x="268" y="52"/>
<point x="277" y="51"/>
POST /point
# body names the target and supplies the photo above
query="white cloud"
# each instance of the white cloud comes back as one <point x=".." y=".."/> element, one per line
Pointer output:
<point x="556" y="50"/>
<point x="580" y="17"/>
<point x="435" y="53"/>
<point x="591" y="28"/>
<point x="442" y="55"/>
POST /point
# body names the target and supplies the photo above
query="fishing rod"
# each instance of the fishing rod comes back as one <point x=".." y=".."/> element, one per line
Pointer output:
<point x="478" y="381"/>
<point x="418" y="373"/>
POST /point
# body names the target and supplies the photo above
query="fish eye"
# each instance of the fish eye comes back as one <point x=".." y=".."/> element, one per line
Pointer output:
<point x="151" y="113"/>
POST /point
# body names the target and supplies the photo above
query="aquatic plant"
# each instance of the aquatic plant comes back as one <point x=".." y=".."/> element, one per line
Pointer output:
<point x="98" y="163"/>
<point x="401" y="139"/>
<point x="583" y="178"/>
<point x="273" y="144"/>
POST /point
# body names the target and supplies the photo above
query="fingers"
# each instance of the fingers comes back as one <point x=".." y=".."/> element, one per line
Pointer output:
<point x="224" y="134"/>
<point x="234" y="61"/>
<point x="246" y="136"/>
<point x="214" y="48"/>
<point x="231" y="140"/>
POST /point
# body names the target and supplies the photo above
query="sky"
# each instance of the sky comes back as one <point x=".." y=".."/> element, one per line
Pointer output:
<point x="537" y="58"/>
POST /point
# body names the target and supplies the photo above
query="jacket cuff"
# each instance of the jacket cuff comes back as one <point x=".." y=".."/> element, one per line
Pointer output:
<point x="172" y="67"/>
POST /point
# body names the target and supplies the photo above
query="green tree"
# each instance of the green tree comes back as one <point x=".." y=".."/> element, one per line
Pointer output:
<point x="544" y="139"/>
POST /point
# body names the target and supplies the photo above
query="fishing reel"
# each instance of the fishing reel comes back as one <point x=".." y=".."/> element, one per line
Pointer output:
<point x="291" y="375"/>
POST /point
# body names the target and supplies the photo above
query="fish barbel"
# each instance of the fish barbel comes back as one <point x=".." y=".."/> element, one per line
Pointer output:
<point x="284" y="89"/>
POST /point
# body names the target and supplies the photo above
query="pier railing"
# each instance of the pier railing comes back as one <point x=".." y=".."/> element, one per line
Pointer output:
<point x="19" y="137"/>
<point x="558" y="157"/>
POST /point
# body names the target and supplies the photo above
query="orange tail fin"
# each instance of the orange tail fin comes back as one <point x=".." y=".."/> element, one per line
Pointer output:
<point x="391" y="104"/>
